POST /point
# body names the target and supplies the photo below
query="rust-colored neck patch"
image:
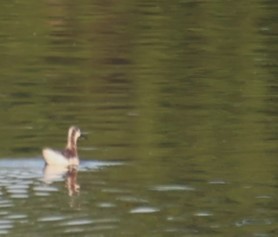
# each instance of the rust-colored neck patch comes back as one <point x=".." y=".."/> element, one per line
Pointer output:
<point x="71" y="148"/>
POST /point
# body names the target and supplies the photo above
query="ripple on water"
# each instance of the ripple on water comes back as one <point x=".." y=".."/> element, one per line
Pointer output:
<point x="86" y="221"/>
<point x="251" y="221"/>
<point x="51" y="218"/>
<point x="81" y="225"/>
<point x="203" y="214"/>
<point x="166" y="188"/>
<point x="5" y="226"/>
<point x="17" y="216"/>
<point x="103" y="227"/>
<point x="19" y="196"/>
<point x="4" y="213"/>
<point x="23" y="175"/>
<point x="144" y="210"/>
<point x="92" y="165"/>
<point x="18" y="191"/>
<point x="106" y="205"/>
<point x="264" y="197"/>
<point x="73" y="230"/>
<point x="44" y="190"/>
<point x="132" y="199"/>
<point x="5" y="203"/>
<point x="218" y="182"/>
<point x="114" y="190"/>
<point x="78" y="222"/>
<point x="4" y="232"/>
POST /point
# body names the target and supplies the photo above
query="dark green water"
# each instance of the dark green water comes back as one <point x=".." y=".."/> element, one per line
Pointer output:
<point x="179" y="100"/>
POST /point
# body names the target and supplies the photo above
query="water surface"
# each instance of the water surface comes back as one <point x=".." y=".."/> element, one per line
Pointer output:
<point x="179" y="102"/>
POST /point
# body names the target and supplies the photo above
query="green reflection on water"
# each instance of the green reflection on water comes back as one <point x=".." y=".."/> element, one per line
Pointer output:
<point x="184" y="92"/>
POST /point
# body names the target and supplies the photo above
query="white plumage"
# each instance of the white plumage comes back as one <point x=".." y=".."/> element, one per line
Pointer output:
<point x="67" y="157"/>
<point x="53" y="157"/>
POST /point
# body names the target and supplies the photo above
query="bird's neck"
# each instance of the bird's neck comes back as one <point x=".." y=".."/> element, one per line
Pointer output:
<point x="71" y="144"/>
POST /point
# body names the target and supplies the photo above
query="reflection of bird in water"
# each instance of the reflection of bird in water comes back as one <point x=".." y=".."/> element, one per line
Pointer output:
<point x="71" y="181"/>
<point x="54" y="173"/>
<point x="69" y="155"/>
<point x="58" y="173"/>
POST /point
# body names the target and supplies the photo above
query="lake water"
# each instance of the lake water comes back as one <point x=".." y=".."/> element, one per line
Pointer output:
<point x="179" y="102"/>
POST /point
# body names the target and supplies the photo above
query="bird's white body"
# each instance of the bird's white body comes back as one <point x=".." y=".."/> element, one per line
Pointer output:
<point x="53" y="157"/>
<point x="67" y="157"/>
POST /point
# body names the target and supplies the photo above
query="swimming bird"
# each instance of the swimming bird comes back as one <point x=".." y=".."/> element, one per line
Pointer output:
<point x="67" y="157"/>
